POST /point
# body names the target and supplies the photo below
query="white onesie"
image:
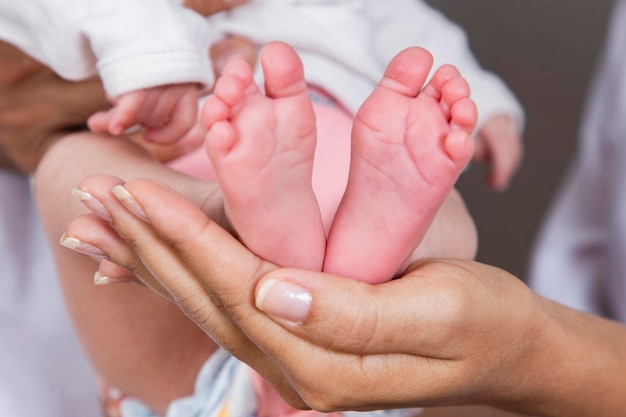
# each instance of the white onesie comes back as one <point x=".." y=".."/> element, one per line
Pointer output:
<point x="345" y="44"/>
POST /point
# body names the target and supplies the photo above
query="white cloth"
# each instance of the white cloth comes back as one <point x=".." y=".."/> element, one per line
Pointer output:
<point x="580" y="255"/>
<point x="345" y="44"/>
<point x="42" y="369"/>
<point x="135" y="43"/>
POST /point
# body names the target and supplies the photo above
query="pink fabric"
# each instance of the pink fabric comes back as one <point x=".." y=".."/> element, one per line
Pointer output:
<point x="332" y="154"/>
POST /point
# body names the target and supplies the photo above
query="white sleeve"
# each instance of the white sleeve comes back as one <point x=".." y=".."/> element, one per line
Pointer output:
<point x="399" y="24"/>
<point x="132" y="44"/>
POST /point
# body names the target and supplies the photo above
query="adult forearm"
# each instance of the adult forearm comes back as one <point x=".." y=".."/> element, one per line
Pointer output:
<point x="582" y="366"/>
<point x="37" y="107"/>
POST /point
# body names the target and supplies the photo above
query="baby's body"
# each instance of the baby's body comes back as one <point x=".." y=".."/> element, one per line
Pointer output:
<point x="409" y="144"/>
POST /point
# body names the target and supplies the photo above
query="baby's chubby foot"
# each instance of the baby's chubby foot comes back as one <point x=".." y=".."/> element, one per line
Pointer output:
<point x="262" y="148"/>
<point x="410" y="143"/>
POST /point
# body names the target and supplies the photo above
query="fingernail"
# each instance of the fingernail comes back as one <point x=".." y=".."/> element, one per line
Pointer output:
<point x="100" y="279"/>
<point x="284" y="300"/>
<point x="129" y="202"/>
<point x="80" y="247"/>
<point x="92" y="204"/>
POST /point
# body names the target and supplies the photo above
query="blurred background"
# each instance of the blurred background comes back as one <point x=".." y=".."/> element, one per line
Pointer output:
<point x="546" y="52"/>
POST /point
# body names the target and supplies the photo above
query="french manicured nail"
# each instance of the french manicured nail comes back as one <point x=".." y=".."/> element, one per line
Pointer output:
<point x="284" y="300"/>
<point x="92" y="204"/>
<point x="100" y="279"/>
<point x="81" y="247"/>
<point x="129" y="202"/>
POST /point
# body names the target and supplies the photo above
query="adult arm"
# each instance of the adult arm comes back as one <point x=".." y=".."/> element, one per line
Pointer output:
<point x="449" y="332"/>
<point x="36" y="107"/>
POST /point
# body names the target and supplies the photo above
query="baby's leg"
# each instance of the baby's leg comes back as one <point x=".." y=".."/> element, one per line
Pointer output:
<point x="409" y="146"/>
<point x="136" y="340"/>
<point x="262" y="147"/>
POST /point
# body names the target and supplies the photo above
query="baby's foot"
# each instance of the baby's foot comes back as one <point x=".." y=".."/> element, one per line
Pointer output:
<point x="262" y="147"/>
<point x="409" y="146"/>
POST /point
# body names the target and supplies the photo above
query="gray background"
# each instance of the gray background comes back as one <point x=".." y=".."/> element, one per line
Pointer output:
<point x="546" y="51"/>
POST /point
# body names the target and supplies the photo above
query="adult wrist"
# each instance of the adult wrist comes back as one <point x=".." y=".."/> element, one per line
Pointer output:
<point x="578" y="367"/>
<point x="539" y="379"/>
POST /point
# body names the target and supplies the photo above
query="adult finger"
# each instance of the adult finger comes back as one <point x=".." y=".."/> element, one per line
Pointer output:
<point x="95" y="231"/>
<point x="440" y="304"/>
<point x="222" y="276"/>
<point x="87" y="234"/>
<point x="433" y="329"/>
<point x="194" y="296"/>
<point x="225" y="272"/>
<point x="348" y="316"/>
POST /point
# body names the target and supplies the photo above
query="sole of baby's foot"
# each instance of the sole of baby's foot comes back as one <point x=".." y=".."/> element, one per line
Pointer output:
<point x="262" y="145"/>
<point x="410" y="143"/>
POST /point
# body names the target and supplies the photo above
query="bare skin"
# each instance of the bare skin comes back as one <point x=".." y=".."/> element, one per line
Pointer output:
<point x="159" y="368"/>
<point x="499" y="144"/>
<point x="37" y="107"/>
<point x="262" y="148"/>
<point x="426" y="339"/>
<point x="111" y="320"/>
<point x="167" y="112"/>
<point x="106" y="335"/>
<point x="409" y="145"/>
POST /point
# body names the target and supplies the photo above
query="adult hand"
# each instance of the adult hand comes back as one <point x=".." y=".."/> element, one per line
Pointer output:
<point x="91" y="232"/>
<point x="449" y="332"/>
